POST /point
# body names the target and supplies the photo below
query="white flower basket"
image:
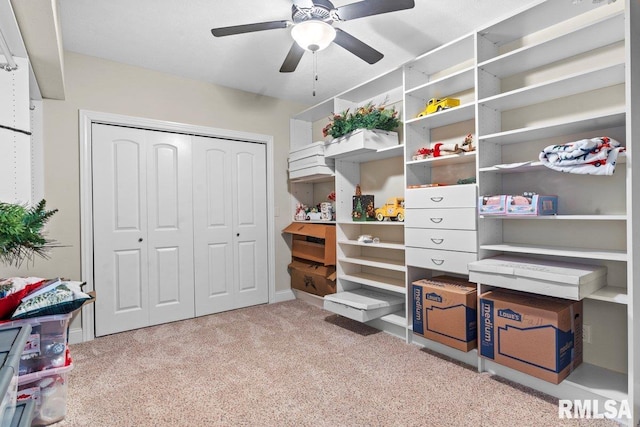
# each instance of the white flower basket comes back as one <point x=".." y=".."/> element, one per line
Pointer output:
<point x="360" y="141"/>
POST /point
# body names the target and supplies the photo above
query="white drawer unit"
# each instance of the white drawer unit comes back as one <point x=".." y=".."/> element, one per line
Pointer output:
<point x="449" y="240"/>
<point x="454" y="196"/>
<point x="310" y="161"/>
<point x="453" y="219"/>
<point x="450" y="261"/>
<point x="363" y="304"/>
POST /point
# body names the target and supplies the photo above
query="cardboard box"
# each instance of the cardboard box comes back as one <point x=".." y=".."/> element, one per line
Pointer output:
<point x="312" y="277"/>
<point x="363" y="208"/>
<point x="559" y="279"/>
<point x="492" y="205"/>
<point x="540" y="336"/>
<point x="444" y="310"/>
<point x="539" y="205"/>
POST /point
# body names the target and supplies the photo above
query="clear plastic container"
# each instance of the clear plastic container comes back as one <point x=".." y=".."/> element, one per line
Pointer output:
<point x="48" y="389"/>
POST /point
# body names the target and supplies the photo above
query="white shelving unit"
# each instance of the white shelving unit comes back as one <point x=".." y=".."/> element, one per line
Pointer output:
<point x="556" y="72"/>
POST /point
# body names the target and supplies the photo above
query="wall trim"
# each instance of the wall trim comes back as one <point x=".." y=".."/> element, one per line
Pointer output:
<point x="86" y="118"/>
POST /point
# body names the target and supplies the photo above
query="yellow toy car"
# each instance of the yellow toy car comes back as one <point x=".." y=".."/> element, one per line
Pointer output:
<point x="434" y="105"/>
<point x="393" y="209"/>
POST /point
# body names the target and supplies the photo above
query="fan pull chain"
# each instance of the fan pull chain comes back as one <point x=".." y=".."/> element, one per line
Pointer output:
<point x="315" y="72"/>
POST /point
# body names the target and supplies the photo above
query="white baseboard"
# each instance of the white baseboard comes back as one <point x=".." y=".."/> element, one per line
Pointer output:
<point x="75" y="336"/>
<point x="281" y="296"/>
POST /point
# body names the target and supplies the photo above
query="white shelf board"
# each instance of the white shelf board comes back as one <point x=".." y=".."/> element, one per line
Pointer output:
<point x="315" y="222"/>
<point x="470" y="357"/>
<point x="558" y="217"/>
<point x="534" y="19"/>
<point x="610" y="294"/>
<point x="453" y="83"/>
<point x="396" y="318"/>
<point x="315" y="178"/>
<point x="385" y="245"/>
<point x="376" y="281"/>
<point x="383" y="223"/>
<point x="385" y="263"/>
<point x="586" y="382"/>
<point x="445" y="117"/>
<point x="450" y="159"/>
<point x="367" y="155"/>
<point x="612" y="118"/>
<point x="602" y="32"/>
<point x="533" y="166"/>
<point x="601" y="381"/>
<point x="610" y="255"/>
<point x="566" y="86"/>
<point x="445" y="56"/>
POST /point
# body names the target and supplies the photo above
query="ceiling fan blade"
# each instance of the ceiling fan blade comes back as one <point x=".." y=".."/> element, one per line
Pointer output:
<point x="249" y="28"/>
<point x="372" y="7"/>
<point x="357" y="47"/>
<point x="293" y="59"/>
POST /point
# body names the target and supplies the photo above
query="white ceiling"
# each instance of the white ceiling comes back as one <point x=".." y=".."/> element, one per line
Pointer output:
<point x="174" y="37"/>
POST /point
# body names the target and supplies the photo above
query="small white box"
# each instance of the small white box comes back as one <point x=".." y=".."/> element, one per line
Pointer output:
<point x="545" y="277"/>
<point x="310" y="160"/>
<point x="360" y="141"/>
<point x="363" y="304"/>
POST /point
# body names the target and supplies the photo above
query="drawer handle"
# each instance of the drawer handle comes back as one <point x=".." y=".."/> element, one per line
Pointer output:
<point x="436" y="220"/>
<point x="437" y="199"/>
<point x="437" y="261"/>
<point x="437" y="241"/>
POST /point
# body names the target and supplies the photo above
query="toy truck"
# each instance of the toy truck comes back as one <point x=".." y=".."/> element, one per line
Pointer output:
<point x="434" y="105"/>
<point x="393" y="209"/>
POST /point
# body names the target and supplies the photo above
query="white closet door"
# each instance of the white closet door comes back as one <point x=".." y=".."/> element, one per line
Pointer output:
<point x="170" y="227"/>
<point x="143" y="263"/>
<point x="230" y="227"/>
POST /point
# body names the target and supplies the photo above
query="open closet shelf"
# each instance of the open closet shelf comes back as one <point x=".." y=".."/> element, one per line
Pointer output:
<point x="558" y="251"/>
<point x="377" y="281"/>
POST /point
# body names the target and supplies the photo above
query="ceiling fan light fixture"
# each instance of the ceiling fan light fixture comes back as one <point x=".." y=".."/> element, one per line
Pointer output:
<point x="313" y="35"/>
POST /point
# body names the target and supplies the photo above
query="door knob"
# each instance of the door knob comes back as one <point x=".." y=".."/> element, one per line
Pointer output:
<point x="237" y="234"/>
<point x="140" y="239"/>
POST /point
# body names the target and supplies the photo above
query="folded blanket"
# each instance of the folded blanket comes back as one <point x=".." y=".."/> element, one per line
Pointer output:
<point x="595" y="156"/>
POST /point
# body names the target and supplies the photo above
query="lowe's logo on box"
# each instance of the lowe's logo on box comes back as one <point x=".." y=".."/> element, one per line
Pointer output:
<point x="510" y="314"/>
<point x="434" y="297"/>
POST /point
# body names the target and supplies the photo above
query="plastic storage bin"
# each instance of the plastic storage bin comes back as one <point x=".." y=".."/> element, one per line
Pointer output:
<point x="48" y="389"/>
<point x="47" y="344"/>
<point x="12" y="341"/>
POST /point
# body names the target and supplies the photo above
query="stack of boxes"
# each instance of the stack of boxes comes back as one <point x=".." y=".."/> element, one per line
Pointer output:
<point x="518" y="327"/>
<point x="43" y="366"/>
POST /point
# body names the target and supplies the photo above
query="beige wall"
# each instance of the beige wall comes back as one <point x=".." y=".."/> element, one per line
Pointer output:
<point x="105" y="86"/>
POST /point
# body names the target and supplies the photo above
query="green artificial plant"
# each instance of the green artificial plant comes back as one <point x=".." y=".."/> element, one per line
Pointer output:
<point x="367" y="117"/>
<point x="21" y="232"/>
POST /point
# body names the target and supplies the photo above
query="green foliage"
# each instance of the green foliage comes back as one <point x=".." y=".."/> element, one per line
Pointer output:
<point x="21" y="232"/>
<point x="367" y="117"/>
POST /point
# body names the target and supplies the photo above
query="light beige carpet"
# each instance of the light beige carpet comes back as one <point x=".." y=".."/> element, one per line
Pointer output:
<point x="285" y="365"/>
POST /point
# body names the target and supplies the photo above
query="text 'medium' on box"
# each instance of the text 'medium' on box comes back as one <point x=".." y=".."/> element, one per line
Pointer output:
<point x="540" y="336"/>
<point x="444" y="310"/>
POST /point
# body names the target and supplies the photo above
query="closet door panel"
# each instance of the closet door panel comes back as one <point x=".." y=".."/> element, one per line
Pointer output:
<point x="250" y="200"/>
<point x="213" y="227"/>
<point x="120" y="228"/>
<point x="170" y="228"/>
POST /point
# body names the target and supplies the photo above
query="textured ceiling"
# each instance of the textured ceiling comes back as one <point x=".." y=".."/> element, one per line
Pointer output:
<point x="174" y="36"/>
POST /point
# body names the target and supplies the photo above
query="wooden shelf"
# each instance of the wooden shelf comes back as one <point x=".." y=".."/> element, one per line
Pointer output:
<point x="397" y="318"/>
<point x="610" y="294"/>
<point x="456" y="82"/>
<point x="558" y="251"/>
<point x="382" y="223"/>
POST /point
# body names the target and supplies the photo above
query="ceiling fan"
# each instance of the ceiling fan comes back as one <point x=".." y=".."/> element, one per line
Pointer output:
<point x="312" y="27"/>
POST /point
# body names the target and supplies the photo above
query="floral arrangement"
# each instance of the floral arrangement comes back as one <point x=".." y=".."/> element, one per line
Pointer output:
<point x="21" y="232"/>
<point x="366" y="117"/>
